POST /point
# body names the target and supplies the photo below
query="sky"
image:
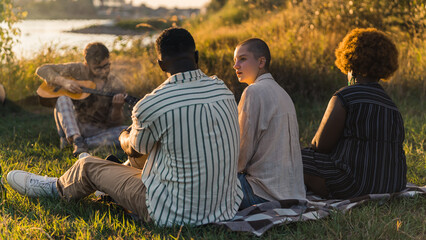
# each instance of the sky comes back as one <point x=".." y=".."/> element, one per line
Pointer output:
<point x="172" y="3"/>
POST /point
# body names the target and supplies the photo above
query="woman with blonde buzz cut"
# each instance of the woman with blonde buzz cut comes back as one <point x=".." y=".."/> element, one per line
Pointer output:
<point x="357" y="148"/>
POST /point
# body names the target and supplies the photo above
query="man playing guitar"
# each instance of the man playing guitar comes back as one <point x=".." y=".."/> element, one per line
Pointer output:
<point x="96" y="120"/>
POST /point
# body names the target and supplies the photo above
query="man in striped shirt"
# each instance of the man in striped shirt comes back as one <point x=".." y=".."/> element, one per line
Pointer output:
<point x="189" y="128"/>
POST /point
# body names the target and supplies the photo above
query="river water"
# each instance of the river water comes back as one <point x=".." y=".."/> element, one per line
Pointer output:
<point x="37" y="35"/>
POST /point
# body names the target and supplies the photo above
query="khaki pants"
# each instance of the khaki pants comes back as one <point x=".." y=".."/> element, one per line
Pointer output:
<point x="122" y="183"/>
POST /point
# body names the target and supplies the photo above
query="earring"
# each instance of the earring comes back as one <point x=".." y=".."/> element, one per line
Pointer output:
<point x="351" y="81"/>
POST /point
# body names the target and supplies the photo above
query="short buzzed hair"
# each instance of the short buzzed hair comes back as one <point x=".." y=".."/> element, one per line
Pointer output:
<point x="174" y="41"/>
<point x="95" y="52"/>
<point x="259" y="49"/>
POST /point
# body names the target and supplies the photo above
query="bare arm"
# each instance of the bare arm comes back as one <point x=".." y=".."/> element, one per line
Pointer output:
<point x="116" y="115"/>
<point x="125" y="144"/>
<point x="54" y="74"/>
<point x="331" y="127"/>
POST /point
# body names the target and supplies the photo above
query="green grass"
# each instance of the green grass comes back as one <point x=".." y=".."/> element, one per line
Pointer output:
<point x="28" y="141"/>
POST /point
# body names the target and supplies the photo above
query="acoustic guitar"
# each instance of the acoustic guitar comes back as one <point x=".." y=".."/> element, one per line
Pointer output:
<point x="49" y="93"/>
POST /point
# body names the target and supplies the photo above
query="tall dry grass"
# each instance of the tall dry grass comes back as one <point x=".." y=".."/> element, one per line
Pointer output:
<point x="302" y="36"/>
<point x="19" y="77"/>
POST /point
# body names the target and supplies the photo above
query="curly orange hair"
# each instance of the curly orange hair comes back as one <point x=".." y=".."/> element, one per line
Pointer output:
<point x="367" y="52"/>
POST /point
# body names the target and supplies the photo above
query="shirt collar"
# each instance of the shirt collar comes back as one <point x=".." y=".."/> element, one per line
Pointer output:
<point x="264" y="76"/>
<point x="188" y="76"/>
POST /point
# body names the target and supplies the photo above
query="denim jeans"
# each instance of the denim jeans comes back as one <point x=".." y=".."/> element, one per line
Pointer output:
<point x="249" y="198"/>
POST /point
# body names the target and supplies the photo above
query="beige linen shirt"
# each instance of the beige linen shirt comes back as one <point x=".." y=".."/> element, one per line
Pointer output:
<point x="269" y="146"/>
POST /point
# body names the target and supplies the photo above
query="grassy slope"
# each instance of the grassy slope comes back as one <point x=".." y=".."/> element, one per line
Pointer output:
<point x="29" y="142"/>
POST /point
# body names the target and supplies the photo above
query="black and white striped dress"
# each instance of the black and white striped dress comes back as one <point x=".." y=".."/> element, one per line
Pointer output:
<point x="369" y="157"/>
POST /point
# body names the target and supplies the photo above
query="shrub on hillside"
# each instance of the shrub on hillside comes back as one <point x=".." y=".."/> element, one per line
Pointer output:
<point x="303" y="35"/>
<point x="340" y="15"/>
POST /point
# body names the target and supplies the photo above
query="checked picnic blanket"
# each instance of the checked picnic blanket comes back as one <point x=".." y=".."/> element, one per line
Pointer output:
<point x="257" y="219"/>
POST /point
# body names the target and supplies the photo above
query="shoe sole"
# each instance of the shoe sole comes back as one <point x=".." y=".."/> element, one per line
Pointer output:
<point x="13" y="183"/>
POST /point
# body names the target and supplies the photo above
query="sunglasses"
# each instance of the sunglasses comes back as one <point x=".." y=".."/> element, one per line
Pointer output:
<point x="99" y="68"/>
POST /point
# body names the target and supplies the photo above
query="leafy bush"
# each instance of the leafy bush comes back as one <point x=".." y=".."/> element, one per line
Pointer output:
<point x="8" y="17"/>
<point x="303" y="35"/>
<point x="340" y="15"/>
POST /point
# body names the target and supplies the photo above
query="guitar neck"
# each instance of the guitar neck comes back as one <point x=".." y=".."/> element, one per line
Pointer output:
<point x="129" y="99"/>
<point x="97" y="92"/>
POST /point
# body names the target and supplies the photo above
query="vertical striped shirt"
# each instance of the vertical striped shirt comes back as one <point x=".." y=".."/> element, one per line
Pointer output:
<point x="369" y="157"/>
<point x="189" y="127"/>
<point x="370" y="152"/>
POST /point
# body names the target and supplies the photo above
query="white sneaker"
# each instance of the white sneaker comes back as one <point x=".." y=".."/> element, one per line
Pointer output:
<point x="83" y="155"/>
<point x="31" y="184"/>
<point x="99" y="194"/>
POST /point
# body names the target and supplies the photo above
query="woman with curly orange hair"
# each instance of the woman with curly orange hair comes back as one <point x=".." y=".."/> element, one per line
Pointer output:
<point x="357" y="148"/>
